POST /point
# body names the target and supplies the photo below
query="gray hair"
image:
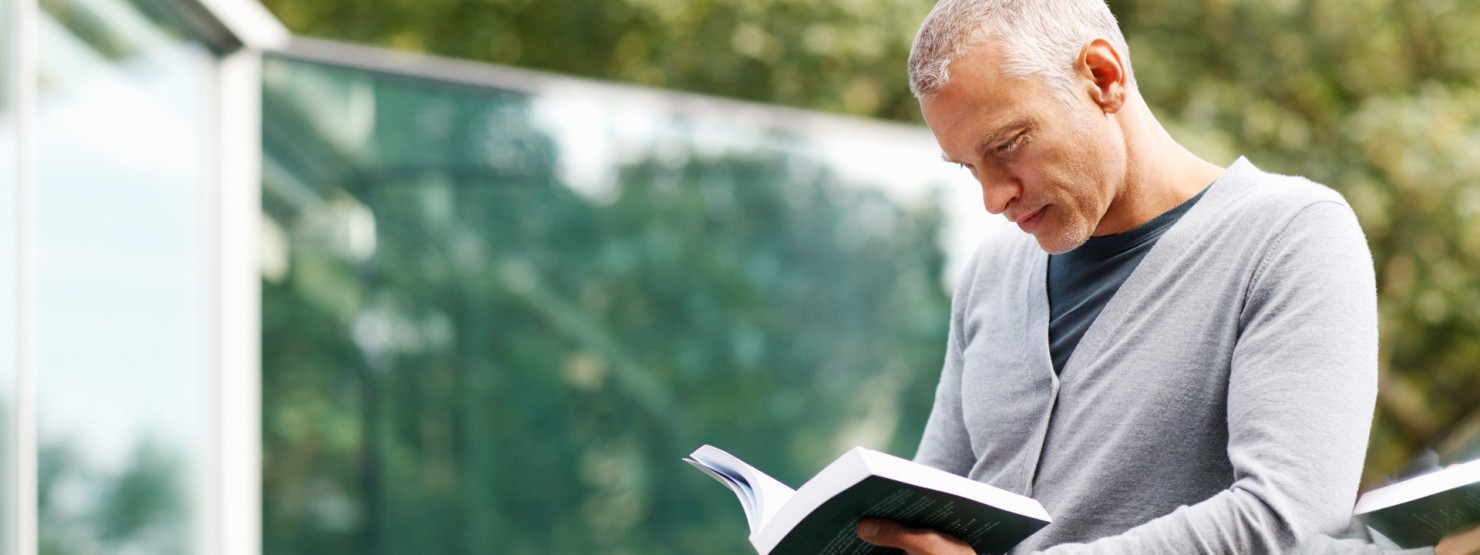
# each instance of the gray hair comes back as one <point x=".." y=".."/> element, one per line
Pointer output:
<point x="1038" y="37"/>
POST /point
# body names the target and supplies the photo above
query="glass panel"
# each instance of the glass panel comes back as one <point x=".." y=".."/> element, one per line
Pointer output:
<point x="9" y="268"/>
<point x="494" y="321"/>
<point x="122" y="275"/>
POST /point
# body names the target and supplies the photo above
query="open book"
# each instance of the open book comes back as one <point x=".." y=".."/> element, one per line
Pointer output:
<point x="1420" y="511"/>
<point x="819" y="518"/>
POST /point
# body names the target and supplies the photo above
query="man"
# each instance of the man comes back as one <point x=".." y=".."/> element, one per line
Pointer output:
<point x="1172" y="357"/>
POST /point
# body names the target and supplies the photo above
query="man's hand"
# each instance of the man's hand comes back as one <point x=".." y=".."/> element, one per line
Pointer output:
<point x="1465" y="543"/>
<point x="913" y="541"/>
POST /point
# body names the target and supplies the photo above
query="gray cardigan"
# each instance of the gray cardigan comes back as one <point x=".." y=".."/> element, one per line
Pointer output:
<point x="1220" y="403"/>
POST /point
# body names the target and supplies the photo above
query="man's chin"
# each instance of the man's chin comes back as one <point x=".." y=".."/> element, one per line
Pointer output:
<point x="1058" y="243"/>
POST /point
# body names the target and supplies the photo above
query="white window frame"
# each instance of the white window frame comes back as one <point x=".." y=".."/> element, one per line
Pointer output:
<point x="230" y="481"/>
<point x="231" y="487"/>
<point x="19" y="528"/>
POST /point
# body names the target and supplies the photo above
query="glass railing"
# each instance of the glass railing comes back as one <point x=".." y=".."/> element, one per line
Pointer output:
<point x="495" y="318"/>
<point x="9" y="284"/>
<point x="122" y="301"/>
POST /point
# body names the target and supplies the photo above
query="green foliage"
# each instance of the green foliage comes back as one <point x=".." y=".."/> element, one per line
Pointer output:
<point x="845" y="56"/>
<point x="138" y="508"/>
<point x="517" y="367"/>
<point x="146" y="494"/>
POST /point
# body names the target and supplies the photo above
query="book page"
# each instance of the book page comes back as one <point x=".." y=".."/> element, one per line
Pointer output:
<point x="761" y="494"/>
<point x="1447" y="478"/>
<point x="742" y="490"/>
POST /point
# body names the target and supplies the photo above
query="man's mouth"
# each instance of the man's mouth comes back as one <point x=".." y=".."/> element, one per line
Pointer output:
<point x="1029" y="223"/>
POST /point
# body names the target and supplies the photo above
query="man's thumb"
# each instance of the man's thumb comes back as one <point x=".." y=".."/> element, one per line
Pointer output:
<point x="887" y="533"/>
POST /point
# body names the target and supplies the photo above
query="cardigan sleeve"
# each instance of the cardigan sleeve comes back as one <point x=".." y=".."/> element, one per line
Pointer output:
<point x="945" y="443"/>
<point x="1301" y="392"/>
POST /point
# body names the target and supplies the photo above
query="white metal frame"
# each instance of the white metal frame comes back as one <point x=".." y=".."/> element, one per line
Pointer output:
<point x="23" y="50"/>
<point x="230" y="498"/>
<point x="231" y="484"/>
<point x="21" y="539"/>
<point x="232" y="487"/>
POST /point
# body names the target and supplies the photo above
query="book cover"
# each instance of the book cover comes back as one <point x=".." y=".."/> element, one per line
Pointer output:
<point x="1420" y="511"/>
<point x="819" y="518"/>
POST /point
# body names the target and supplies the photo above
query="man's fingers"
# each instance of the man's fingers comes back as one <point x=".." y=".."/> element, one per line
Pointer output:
<point x="888" y="533"/>
<point x="913" y="541"/>
<point x="1466" y="543"/>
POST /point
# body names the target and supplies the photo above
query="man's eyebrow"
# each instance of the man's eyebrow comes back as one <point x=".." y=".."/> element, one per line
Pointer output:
<point x="1002" y="132"/>
<point x="995" y="136"/>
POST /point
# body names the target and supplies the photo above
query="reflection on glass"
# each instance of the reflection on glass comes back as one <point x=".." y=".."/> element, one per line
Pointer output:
<point x="9" y="267"/>
<point x="121" y="308"/>
<point x="494" y="321"/>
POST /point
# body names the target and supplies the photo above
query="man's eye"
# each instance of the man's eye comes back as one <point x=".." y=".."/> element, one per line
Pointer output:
<point x="1012" y="144"/>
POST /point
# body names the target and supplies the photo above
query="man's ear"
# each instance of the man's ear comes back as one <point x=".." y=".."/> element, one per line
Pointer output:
<point x="1104" y="75"/>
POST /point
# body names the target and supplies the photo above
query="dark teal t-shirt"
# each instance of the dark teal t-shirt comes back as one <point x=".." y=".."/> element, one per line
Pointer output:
<point x="1082" y="280"/>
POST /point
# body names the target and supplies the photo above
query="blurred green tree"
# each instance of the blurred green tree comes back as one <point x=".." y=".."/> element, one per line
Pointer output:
<point x="516" y="367"/>
<point x="834" y="56"/>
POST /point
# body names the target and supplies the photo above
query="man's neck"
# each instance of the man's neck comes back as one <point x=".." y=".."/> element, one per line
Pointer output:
<point x="1161" y="174"/>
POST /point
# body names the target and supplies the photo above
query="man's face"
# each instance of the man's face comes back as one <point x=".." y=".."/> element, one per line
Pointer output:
<point x="1053" y="169"/>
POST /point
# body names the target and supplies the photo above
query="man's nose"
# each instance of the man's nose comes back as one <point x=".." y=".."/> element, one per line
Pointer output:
<point x="998" y="189"/>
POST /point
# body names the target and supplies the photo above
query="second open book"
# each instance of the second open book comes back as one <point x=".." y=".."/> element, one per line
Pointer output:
<point x="819" y="518"/>
<point x="1420" y="511"/>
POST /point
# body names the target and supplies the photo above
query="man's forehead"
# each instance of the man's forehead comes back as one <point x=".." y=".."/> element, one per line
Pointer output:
<point x="985" y="104"/>
<point x="982" y="88"/>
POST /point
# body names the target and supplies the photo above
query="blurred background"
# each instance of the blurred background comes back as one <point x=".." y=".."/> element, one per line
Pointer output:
<point x="507" y="261"/>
